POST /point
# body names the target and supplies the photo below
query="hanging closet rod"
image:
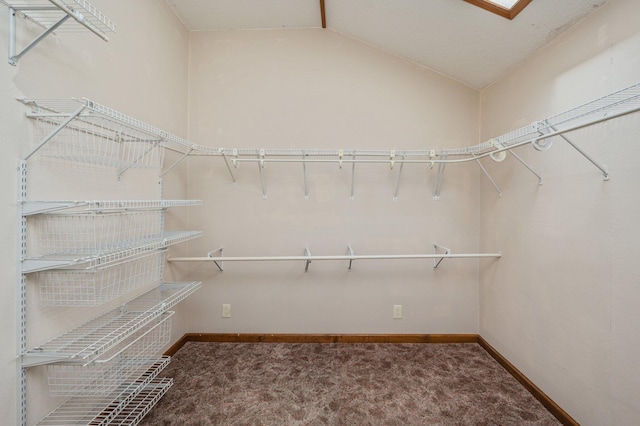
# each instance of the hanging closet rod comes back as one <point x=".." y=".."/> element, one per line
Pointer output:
<point x="308" y="257"/>
<point x="332" y="257"/>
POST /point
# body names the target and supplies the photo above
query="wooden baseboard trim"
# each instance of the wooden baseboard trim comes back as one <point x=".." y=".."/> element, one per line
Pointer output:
<point x="176" y="346"/>
<point x="548" y="403"/>
<point x="562" y="416"/>
<point x="321" y="338"/>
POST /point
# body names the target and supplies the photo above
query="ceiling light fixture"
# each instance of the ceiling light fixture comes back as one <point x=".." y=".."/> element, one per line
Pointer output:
<point x="505" y="8"/>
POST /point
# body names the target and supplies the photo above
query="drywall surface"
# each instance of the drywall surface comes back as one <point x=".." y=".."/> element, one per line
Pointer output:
<point x="315" y="89"/>
<point x="141" y="72"/>
<point x="562" y="304"/>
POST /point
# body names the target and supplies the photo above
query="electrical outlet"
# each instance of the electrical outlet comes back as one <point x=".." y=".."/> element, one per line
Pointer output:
<point x="226" y="310"/>
<point x="397" y="311"/>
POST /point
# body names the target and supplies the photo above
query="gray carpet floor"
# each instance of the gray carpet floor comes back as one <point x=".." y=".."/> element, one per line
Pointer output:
<point x="342" y="384"/>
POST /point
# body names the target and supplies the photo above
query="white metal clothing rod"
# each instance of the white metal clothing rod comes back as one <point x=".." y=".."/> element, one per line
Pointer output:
<point x="331" y="257"/>
<point x="351" y="256"/>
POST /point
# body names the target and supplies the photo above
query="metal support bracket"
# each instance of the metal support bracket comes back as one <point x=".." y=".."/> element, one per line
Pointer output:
<point x="221" y="264"/>
<point x="179" y="160"/>
<point x="56" y="7"/>
<point x="395" y="194"/>
<point x="350" y="250"/>
<point x="261" y="156"/>
<point x="140" y="157"/>
<point x="56" y="131"/>
<point x="493" y="182"/>
<point x="603" y="169"/>
<point x="436" y="192"/>
<point x="517" y="157"/>
<point x="304" y="172"/>
<point x="436" y="262"/>
<point x="307" y="253"/>
<point x="14" y="56"/>
<point x="353" y="177"/>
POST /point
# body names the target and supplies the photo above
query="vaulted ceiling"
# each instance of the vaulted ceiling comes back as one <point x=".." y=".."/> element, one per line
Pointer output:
<point x="452" y="37"/>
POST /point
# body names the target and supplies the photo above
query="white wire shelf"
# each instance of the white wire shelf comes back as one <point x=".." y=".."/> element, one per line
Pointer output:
<point x="42" y="263"/>
<point x="102" y="206"/>
<point x="101" y="411"/>
<point x="55" y="16"/>
<point x="84" y="131"/>
<point x="100" y="337"/>
<point x="142" y="404"/>
<point x="539" y="134"/>
<point x="94" y="287"/>
<point x="89" y="123"/>
<point x="622" y="102"/>
<point x="120" y="364"/>
<point x="86" y="233"/>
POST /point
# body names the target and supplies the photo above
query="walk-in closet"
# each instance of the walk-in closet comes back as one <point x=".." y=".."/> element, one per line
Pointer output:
<point x="344" y="211"/>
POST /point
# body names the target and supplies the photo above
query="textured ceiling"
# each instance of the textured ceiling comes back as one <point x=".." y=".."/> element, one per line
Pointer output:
<point x="452" y="37"/>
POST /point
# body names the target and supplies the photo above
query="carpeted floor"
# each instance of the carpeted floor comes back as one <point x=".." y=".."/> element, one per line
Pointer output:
<point x="342" y="384"/>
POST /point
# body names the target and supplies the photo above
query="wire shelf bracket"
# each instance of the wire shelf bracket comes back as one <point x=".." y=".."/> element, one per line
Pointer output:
<point x="51" y="16"/>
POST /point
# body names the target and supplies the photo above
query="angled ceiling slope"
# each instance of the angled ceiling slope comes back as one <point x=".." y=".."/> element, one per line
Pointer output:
<point x="452" y="37"/>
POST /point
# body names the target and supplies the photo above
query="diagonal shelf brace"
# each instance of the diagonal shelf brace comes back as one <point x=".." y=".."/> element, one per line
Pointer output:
<point x="226" y="161"/>
<point x="353" y="177"/>
<point x="395" y="194"/>
<point x="493" y="182"/>
<point x="82" y="13"/>
<point x="179" y="160"/>
<point x="307" y="253"/>
<point x="604" y="171"/>
<point x="221" y="264"/>
<point x="517" y="157"/>
<point x="260" y="167"/>
<point x="55" y="131"/>
<point x="304" y="173"/>
<point x="436" y="262"/>
<point x="14" y="56"/>
<point x="350" y="250"/>
<point x="149" y="149"/>
<point x="436" y="192"/>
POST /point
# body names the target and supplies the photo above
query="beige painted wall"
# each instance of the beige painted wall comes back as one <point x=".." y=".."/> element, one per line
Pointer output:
<point x="320" y="89"/>
<point x="142" y="72"/>
<point x="562" y="304"/>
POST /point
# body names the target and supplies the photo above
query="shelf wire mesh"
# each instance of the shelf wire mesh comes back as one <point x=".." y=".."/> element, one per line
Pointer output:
<point x="102" y="376"/>
<point x="94" y="287"/>
<point x="93" y="340"/>
<point x="96" y="139"/>
<point x="81" y="234"/>
<point x="100" y="411"/>
<point x="142" y="403"/>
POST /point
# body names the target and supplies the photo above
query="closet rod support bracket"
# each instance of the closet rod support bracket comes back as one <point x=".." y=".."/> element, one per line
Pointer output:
<point x="307" y="253"/>
<point x="436" y="261"/>
<point x="221" y="264"/>
<point x="350" y="250"/>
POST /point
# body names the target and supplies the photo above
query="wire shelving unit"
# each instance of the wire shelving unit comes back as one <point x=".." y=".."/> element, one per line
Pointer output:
<point x="90" y="252"/>
<point x="76" y="15"/>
